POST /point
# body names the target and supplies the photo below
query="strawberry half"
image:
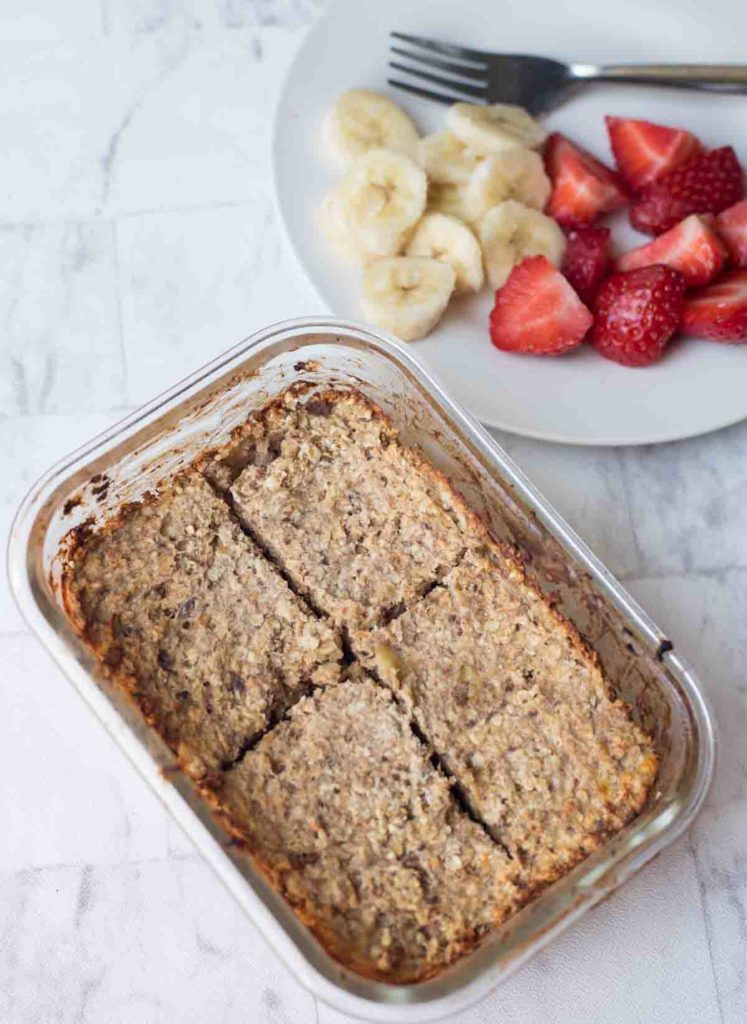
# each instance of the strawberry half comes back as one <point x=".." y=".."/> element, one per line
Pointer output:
<point x="719" y="313"/>
<point x="636" y="313"/>
<point x="585" y="260"/>
<point x="582" y="187"/>
<point x="537" y="312"/>
<point x="693" y="247"/>
<point x="732" y="226"/>
<point x="645" y="151"/>
<point x="707" y="183"/>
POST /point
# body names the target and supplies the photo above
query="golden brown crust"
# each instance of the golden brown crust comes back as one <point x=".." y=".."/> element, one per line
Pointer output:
<point x="519" y="712"/>
<point x="354" y="519"/>
<point x="195" y="624"/>
<point x="374" y="853"/>
<point x="605" y="763"/>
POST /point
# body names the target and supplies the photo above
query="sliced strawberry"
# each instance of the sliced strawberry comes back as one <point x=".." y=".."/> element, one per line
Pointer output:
<point x="707" y="183"/>
<point x="636" y="313"/>
<point x="645" y="151"/>
<point x="582" y="187"/>
<point x="537" y="312"/>
<point x="693" y="247"/>
<point x="719" y="312"/>
<point x="732" y="226"/>
<point x="585" y="260"/>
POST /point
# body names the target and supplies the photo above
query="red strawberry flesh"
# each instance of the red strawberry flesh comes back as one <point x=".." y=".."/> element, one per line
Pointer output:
<point x="636" y="314"/>
<point x="719" y="312"/>
<point x="693" y="247"/>
<point x="645" y="151"/>
<point x="732" y="226"/>
<point x="586" y="259"/>
<point x="537" y="312"/>
<point x="583" y="187"/>
<point x="708" y="183"/>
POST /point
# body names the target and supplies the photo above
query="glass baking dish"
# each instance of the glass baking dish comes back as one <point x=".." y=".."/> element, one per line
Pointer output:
<point x="641" y="664"/>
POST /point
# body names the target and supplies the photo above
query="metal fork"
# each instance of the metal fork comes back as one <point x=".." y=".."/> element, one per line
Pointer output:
<point x="537" y="83"/>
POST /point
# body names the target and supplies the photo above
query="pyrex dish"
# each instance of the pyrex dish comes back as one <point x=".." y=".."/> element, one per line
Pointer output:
<point x="156" y="441"/>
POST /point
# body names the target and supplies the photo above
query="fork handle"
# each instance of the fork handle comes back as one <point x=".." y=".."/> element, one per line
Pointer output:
<point x="719" y="77"/>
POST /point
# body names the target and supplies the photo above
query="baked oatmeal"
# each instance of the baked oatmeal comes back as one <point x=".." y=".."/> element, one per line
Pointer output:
<point x="205" y="634"/>
<point x="519" y="712"/>
<point x="402" y="816"/>
<point x="360" y="524"/>
<point x="342" y="809"/>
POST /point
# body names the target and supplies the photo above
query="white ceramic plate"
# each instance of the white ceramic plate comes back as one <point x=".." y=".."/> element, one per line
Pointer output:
<point x="580" y="398"/>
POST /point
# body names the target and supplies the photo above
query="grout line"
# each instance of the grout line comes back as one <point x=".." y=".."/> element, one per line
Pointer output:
<point x="629" y="508"/>
<point x="711" y="572"/>
<point x="707" y="923"/>
<point x="105" y="410"/>
<point x="121" y="865"/>
<point x="155" y="211"/>
<point x="12" y="634"/>
<point x="120" y="318"/>
<point x="117" y="215"/>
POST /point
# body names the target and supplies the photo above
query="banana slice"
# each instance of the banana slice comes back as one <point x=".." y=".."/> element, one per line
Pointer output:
<point x="406" y="295"/>
<point x="445" y="159"/>
<point x="448" y="199"/>
<point x="516" y="174"/>
<point x="511" y="232"/>
<point x="361" y="120"/>
<point x="448" y="239"/>
<point x="494" y="129"/>
<point x="380" y="200"/>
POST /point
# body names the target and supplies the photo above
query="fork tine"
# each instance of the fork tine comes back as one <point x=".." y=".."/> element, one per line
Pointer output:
<point x="425" y="93"/>
<point x="445" y="49"/>
<point x="466" y="90"/>
<point x="466" y="71"/>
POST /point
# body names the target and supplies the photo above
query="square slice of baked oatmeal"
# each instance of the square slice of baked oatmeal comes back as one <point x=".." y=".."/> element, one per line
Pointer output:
<point x="518" y="709"/>
<point x="204" y="633"/>
<point x="360" y="524"/>
<point x="341" y="808"/>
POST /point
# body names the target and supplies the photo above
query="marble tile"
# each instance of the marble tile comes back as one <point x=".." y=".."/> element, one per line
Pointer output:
<point x="138" y="240"/>
<point x="151" y="943"/>
<point x="587" y="488"/>
<point x="181" y="122"/>
<point x="31" y="445"/>
<point x="707" y="620"/>
<point x="618" y="964"/>
<point x="74" y="797"/>
<point x="49" y="20"/>
<point x="689" y="502"/>
<point x="196" y="132"/>
<point x="271" y="12"/>
<point x="59" y="308"/>
<point x="193" y="284"/>
<point x="10" y="618"/>
<point x="61" y="118"/>
<point x="159" y="15"/>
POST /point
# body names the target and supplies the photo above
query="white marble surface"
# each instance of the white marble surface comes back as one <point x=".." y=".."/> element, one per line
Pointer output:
<point x="137" y="240"/>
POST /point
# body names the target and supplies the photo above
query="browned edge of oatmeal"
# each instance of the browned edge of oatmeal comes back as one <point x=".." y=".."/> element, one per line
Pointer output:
<point x="470" y="521"/>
